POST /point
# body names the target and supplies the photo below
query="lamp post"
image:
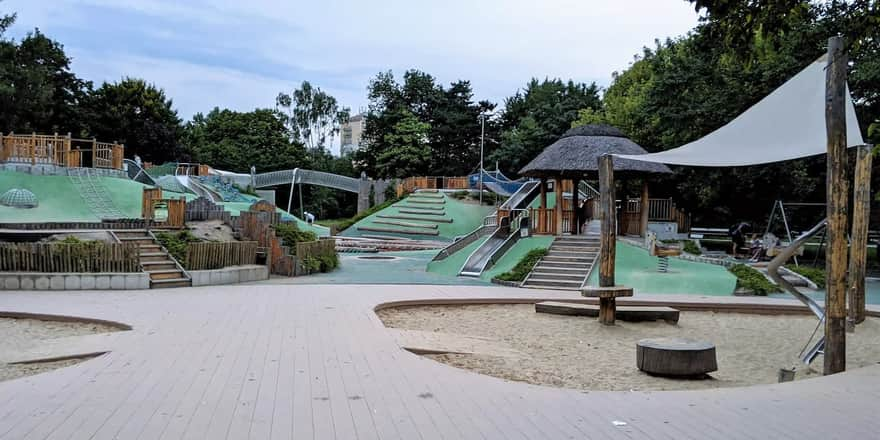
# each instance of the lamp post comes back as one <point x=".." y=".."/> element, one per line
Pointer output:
<point x="483" y="117"/>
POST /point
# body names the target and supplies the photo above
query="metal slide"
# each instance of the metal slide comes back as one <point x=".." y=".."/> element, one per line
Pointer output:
<point x="137" y="173"/>
<point x="503" y="238"/>
<point x="200" y="190"/>
<point x="773" y="271"/>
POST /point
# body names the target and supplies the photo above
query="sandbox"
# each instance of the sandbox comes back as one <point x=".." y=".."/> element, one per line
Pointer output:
<point x="577" y="352"/>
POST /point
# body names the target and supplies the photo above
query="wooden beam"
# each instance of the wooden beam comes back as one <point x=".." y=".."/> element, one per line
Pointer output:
<point x="557" y="189"/>
<point x="645" y="204"/>
<point x="836" y="189"/>
<point x="609" y="221"/>
<point x="543" y="193"/>
<point x="859" y="237"/>
<point x="575" y="204"/>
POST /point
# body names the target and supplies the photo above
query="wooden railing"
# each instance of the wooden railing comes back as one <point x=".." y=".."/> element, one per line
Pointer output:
<point x="659" y="210"/>
<point x="543" y="220"/>
<point x="411" y="184"/>
<point x="69" y="257"/>
<point x="55" y="149"/>
<point x="217" y="255"/>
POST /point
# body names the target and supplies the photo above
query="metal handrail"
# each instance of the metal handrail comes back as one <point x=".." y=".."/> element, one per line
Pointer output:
<point x="783" y="256"/>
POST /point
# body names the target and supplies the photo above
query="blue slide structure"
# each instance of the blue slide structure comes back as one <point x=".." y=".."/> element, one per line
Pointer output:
<point x="496" y="182"/>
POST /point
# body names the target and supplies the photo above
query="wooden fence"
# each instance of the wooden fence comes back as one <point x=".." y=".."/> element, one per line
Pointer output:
<point x="175" y="209"/>
<point x="63" y="257"/>
<point x="59" y="150"/>
<point x="202" y="209"/>
<point x="217" y="255"/>
<point x="312" y="249"/>
<point x="659" y="210"/>
<point x="411" y="184"/>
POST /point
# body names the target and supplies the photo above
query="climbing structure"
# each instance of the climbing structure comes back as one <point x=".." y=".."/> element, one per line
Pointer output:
<point x="93" y="193"/>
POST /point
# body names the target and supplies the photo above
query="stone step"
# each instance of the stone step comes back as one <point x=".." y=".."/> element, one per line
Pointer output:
<point x="574" y="248"/>
<point x="567" y="259"/>
<point x="532" y="285"/>
<point x="554" y="282"/>
<point x="558" y="276"/>
<point x="562" y="269"/>
<point x="557" y="253"/>
<point x="137" y="240"/>
<point x="171" y="282"/>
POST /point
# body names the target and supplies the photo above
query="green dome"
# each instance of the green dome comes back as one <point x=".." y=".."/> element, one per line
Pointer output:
<point x="19" y="198"/>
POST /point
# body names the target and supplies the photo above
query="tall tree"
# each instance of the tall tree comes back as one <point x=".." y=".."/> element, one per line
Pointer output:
<point x="138" y="115"/>
<point x="408" y="153"/>
<point x="38" y="92"/>
<point x="313" y="116"/>
<point x="536" y="116"/>
<point x="235" y="141"/>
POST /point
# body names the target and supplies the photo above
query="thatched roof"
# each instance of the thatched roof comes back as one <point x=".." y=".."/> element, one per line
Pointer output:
<point x="576" y="153"/>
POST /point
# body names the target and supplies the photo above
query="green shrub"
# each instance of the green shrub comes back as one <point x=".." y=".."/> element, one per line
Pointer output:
<point x="751" y="279"/>
<point x="176" y="243"/>
<point x="524" y="266"/>
<point x="328" y="262"/>
<point x="814" y="274"/>
<point x="460" y="194"/>
<point x="291" y="234"/>
<point x="691" y="247"/>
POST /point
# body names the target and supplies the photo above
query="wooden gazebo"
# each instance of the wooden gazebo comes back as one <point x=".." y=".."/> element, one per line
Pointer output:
<point x="573" y="158"/>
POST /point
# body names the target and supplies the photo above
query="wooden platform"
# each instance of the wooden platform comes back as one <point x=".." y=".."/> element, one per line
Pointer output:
<point x="315" y="362"/>
<point x="623" y="313"/>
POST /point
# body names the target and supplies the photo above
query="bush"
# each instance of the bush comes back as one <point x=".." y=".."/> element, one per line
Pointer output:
<point x="814" y="274"/>
<point x="321" y="263"/>
<point x="691" y="247"/>
<point x="751" y="279"/>
<point x="291" y="234"/>
<point x="176" y="243"/>
<point x="460" y="194"/>
<point x="524" y="266"/>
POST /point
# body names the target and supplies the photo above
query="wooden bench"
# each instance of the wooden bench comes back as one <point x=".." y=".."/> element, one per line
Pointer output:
<point x="710" y="233"/>
<point x="623" y="313"/>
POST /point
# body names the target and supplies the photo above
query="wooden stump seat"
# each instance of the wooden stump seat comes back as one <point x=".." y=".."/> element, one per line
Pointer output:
<point x="676" y="357"/>
<point x="607" y="300"/>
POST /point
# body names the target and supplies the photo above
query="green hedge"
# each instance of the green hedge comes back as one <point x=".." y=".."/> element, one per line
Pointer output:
<point x="524" y="266"/>
<point x="691" y="247"/>
<point x="176" y="242"/>
<point x="814" y="274"/>
<point x="291" y="234"/>
<point x="751" y="279"/>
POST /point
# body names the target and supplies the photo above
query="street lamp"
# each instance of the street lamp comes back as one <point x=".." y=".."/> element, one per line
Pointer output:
<point x="482" y="117"/>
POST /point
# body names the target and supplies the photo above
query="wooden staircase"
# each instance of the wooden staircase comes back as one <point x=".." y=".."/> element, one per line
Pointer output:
<point x="567" y="264"/>
<point x="163" y="269"/>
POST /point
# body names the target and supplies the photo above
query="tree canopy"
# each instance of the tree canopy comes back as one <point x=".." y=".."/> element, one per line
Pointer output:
<point x="312" y="116"/>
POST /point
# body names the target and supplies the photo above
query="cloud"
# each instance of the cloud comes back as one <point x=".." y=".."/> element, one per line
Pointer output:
<point x="235" y="54"/>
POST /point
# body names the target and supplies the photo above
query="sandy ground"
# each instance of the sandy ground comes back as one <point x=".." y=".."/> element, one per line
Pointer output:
<point x="578" y="352"/>
<point x="20" y="334"/>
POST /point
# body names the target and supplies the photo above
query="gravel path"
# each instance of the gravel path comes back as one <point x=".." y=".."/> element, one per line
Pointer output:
<point x="578" y="352"/>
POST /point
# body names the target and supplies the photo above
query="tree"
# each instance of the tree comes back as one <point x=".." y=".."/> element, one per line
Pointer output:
<point x="408" y="153"/>
<point x="38" y="92"/>
<point x="537" y="116"/>
<point x="138" y="115"/>
<point x="235" y="141"/>
<point x="313" y="116"/>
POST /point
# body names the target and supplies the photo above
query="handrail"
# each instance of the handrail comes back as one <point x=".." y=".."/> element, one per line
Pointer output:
<point x="783" y="256"/>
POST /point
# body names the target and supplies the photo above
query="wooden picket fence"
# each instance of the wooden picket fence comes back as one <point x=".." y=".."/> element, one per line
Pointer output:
<point x="88" y="257"/>
<point x="217" y="255"/>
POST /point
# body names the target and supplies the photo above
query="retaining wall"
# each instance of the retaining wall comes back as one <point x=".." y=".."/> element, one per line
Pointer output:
<point x="229" y="275"/>
<point x="73" y="281"/>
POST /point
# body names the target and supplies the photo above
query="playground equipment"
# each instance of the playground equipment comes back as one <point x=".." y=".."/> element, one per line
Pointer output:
<point x="779" y="211"/>
<point x="511" y="215"/>
<point x="662" y="252"/>
<point x="93" y="193"/>
<point x="19" y="198"/>
<point x="784" y="254"/>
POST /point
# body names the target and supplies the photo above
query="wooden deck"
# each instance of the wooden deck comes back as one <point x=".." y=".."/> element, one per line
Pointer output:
<point x="303" y="362"/>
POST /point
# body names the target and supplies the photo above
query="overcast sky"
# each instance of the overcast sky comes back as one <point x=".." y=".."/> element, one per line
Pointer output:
<point x="240" y="53"/>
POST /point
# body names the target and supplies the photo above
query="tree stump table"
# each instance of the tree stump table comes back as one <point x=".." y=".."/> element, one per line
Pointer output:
<point x="607" y="300"/>
<point x="676" y="357"/>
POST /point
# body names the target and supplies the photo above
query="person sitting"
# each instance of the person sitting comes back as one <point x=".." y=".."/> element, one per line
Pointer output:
<point x="737" y="236"/>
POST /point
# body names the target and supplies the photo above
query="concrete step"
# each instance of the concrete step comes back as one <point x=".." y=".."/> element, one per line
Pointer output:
<point x="171" y="282"/>
<point x="574" y="248"/>
<point x="138" y="240"/>
<point x="558" y="276"/>
<point x="554" y="282"/>
<point x="533" y="285"/>
<point x="557" y="253"/>
<point x="150" y="266"/>
<point x="154" y="256"/>
<point x="567" y="259"/>
<point x="131" y="233"/>
<point x="150" y="247"/>
<point x="561" y="269"/>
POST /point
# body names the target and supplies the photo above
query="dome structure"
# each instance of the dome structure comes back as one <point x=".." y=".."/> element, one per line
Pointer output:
<point x="19" y="198"/>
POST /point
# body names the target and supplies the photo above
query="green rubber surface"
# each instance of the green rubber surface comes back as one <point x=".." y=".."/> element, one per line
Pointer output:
<point x="450" y="265"/>
<point x="635" y="268"/>
<point x="466" y="217"/>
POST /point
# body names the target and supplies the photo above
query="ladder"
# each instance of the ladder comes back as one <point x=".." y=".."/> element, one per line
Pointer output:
<point x="93" y="193"/>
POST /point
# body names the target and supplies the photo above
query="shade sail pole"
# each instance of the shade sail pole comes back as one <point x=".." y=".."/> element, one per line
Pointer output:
<point x="837" y="189"/>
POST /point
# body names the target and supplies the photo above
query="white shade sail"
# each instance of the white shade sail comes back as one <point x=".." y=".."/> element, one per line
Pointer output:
<point x="787" y="124"/>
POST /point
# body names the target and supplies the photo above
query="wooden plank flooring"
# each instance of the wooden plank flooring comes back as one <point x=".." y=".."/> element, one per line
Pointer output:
<point x="315" y="362"/>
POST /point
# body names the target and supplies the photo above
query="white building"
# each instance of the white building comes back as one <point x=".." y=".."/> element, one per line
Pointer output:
<point x="351" y="134"/>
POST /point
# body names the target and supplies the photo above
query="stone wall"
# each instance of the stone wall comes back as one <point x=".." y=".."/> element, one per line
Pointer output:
<point x="229" y="275"/>
<point x="73" y="281"/>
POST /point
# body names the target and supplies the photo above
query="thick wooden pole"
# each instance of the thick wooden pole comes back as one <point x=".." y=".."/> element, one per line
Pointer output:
<point x="557" y="188"/>
<point x="609" y="221"/>
<point x="836" y="189"/>
<point x="644" y="209"/>
<point x="543" y="193"/>
<point x="575" y="205"/>
<point x="858" y="253"/>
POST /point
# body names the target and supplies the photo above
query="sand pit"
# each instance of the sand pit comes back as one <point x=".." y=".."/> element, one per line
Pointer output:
<point x="578" y="352"/>
<point x="21" y="334"/>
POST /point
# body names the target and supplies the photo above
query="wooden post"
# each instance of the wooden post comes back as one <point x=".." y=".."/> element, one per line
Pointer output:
<point x="645" y="205"/>
<point x="836" y="189"/>
<point x="575" y="204"/>
<point x="543" y="193"/>
<point x="859" y="237"/>
<point x="557" y="188"/>
<point x="607" y="304"/>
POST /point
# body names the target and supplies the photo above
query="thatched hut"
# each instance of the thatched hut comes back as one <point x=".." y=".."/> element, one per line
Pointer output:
<point x="574" y="157"/>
